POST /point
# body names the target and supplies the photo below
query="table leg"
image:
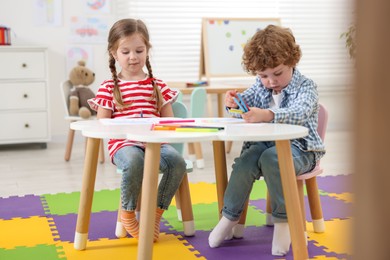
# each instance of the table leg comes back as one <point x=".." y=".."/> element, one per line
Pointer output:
<point x="220" y="103"/>
<point x="86" y="194"/>
<point x="149" y="200"/>
<point x="291" y="197"/>
<point x="220" y="171"/>
<point x="69" y="144"/>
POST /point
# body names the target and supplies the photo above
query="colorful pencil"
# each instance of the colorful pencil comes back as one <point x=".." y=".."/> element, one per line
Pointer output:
<point x="239" y="104"/>
<point x="176" y="121"/>
<point x="244" y="105"/>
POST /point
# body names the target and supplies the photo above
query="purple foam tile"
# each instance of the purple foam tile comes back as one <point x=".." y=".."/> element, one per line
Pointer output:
<point x="256" y="244"/>
<point x="335" y="184"/>
<point x="166" y="228"/>
<point x="331" y="208"/>
<point x="250" y="247"/>
<point x="21" y="207"/>
<point x="102" y="225"/>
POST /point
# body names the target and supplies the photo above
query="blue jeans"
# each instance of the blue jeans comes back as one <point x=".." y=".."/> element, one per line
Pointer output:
<point x="260" y="159"/>
<point x="130" y="160"/>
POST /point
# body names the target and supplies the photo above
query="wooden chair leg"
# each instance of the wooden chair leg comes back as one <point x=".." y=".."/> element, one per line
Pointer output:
<point x="69" y="144"/>
<point x="268" y="211"/>
<point x="199" y="155"/>
<point x="120" y="231"/>
<point x="186" y="207"/>
<point x="138" y="208"/>
<point x="178" y="205"/>
<point x="238" y="230"/>
<point x="101" y="151"/>
<point x="229" y="145"/>
<point x="191" y="152"/>
<point x="315" y="205"/>
<point x="302" y="201"/>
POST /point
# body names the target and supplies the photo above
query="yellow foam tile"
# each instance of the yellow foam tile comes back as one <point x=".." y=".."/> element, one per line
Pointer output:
<point x="26" y="232"/>
<point x="336" y="238"/>
<point x="346" y="196"/>
<point x="202" y="193"/>
<point x="168" y="247"/>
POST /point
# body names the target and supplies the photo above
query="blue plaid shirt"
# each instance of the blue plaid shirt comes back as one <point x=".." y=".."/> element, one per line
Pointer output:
<point x="299" y="106"/>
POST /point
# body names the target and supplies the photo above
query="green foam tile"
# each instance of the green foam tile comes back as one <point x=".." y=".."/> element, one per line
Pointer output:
<point x="68" y="203"/>
<point x="259" y="190"/>
<point x="206" y="217"/>
<point x="39" y="252"/>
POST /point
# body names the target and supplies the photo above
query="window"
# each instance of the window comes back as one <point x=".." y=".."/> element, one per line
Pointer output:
<point x="175" y="31"/>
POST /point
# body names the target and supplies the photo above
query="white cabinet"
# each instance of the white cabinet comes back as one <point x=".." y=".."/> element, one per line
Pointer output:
<point x="24" y="115"/>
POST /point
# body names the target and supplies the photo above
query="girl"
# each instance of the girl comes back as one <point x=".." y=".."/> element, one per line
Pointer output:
<point x="281" y="94"/>
<point x="133" y="93"/>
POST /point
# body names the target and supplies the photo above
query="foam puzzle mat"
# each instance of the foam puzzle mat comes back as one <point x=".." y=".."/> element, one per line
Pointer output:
<point x="42" y="227"/>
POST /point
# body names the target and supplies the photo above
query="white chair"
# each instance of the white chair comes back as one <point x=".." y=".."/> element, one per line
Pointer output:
<point x="66" y="86"/>
<point x="182" y="196"/>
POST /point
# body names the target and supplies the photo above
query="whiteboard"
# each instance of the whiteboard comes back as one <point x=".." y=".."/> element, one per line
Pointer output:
<point x="223" y="41"/>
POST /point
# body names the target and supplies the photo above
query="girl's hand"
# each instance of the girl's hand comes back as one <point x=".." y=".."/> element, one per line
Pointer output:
<point x="258" y="115"/>
<point x="229" y="102"/>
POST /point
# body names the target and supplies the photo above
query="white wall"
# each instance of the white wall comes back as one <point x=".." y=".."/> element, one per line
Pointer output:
<point x="18" y="15"/>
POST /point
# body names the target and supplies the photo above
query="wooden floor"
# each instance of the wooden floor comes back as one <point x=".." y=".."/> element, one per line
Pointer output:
<point x="29" y="169"/>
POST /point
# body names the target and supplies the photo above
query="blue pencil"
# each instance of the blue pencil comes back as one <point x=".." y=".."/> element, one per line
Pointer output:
<point x="239" y="105"/>
<point x="243" y="102"/>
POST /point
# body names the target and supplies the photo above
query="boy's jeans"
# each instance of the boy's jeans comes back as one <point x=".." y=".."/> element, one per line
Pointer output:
<point x="260" y="159"/>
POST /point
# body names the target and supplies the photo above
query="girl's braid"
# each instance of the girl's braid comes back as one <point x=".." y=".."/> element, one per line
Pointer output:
<point x="156" y="92"/>
<point x="117" y="93"/>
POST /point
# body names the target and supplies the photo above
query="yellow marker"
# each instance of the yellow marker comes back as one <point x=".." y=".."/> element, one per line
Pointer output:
<point x="235" y="111"/>
<point x="157" y="127"/>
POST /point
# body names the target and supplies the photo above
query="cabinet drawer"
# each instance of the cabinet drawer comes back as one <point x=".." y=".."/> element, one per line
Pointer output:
<point x="23" y="126"/>
<point x="23" y="96"/>
<point x="22" y="65"/>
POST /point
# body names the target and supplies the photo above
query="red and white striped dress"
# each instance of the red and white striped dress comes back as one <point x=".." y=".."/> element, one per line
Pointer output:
<point x="136" y="94"/>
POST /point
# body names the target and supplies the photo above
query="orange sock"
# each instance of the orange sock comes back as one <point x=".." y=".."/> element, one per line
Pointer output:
<point x="130" y="223"/>
<point x="159" y="213"/>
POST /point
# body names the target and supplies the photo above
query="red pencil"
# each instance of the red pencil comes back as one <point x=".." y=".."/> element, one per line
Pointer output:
<point x="176" y="121"/>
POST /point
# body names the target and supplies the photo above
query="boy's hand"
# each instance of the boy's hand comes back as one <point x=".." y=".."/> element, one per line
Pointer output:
<point x="229" y="102"/>
<point x="258" y="115"/>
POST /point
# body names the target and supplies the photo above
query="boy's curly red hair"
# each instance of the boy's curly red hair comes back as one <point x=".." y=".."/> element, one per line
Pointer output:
<point x="269" y="48"/>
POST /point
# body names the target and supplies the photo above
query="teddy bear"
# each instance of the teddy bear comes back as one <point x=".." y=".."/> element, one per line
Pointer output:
<point x="81" y="77"/>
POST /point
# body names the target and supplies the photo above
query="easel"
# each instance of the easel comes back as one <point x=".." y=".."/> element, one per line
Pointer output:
<point x="222" y="44"/>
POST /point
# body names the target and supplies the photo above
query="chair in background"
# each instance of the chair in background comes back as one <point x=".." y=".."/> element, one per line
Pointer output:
<point x="182" y="196"/>
<point x="310" y="179"/>
<point x="66" y="86"/>
<point x="198" y="104"/>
